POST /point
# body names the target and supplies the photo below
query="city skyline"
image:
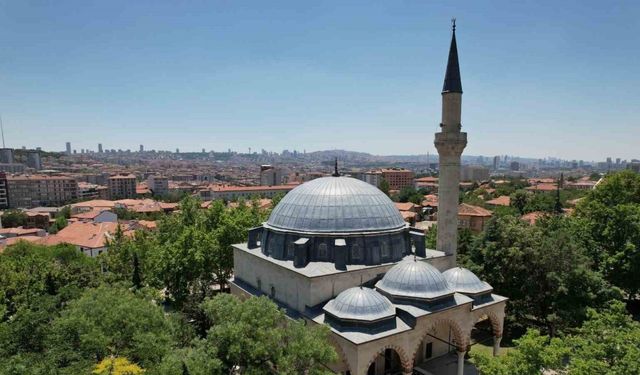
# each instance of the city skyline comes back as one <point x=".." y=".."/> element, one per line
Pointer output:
<point x="334" y="76"/>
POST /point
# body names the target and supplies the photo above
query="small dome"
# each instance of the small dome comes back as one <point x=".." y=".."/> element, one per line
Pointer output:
<point x="336" y="205"/>
<point x="464" y="281"/>
<point x="414" y="279"/>
<point x="360" y="304"/>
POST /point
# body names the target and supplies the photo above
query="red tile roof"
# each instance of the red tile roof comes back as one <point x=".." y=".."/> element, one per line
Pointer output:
<point x="503" y="200"/>
<point x="465" y="209"/>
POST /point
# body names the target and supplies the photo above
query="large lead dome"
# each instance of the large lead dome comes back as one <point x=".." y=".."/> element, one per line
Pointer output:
<point x="336" y="205"/>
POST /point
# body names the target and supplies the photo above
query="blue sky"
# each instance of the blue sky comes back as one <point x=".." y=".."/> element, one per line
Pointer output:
<point x="540" y="78"/>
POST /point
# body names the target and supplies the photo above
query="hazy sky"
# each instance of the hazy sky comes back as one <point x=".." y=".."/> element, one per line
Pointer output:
<point x="540" y="78"/>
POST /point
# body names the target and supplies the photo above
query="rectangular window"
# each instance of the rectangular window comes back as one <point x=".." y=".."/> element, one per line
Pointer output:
<point x="428" y="350"/>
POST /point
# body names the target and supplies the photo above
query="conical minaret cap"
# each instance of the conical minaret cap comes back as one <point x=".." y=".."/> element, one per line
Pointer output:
<point x="452" y="81"/>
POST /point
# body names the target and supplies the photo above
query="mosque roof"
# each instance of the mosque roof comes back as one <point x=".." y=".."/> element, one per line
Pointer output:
<point x="336" y="205"/>
<point x="464" y="281"/>
<point x="414" y="279"/>
<point x="360" y="303"/>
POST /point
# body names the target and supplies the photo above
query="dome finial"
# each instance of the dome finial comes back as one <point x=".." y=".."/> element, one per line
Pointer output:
<point x="453" y="24"/>
<point x="335" y="172"/>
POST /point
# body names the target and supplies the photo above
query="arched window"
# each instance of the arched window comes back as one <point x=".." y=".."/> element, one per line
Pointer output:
<point x="385" y="249"/>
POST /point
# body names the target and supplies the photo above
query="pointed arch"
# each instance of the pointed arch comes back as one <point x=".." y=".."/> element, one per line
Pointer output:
<point x="460" y="339"/>
<point x="405" y="363"/>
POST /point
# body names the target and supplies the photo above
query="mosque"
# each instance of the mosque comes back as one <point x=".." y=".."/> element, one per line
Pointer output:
<point x="336" y="251"/>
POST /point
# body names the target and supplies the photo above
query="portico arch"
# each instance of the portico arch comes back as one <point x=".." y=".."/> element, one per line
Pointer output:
<point x="460" y="340"/>
<point x="383" y="361"/>
<point x="495" y="322"/>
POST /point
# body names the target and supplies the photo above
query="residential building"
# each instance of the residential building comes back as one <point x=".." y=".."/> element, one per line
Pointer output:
<point x="33" y="160"/>
<point x="27" y="191"/>
<point x="245" y="192"/>
<point x="6" y="156"/>
<point x="158" y="185"/>
<point x="271" y="176"/>
<point x="474" y="173"/>
<point x="88" y="190"/>
<point x="472" y="217"/>
<point x="398" y="178"/>
<point x="122" y="186"/>
<point x="4" y="197"/>
<point x="88" y="237"/>
<point x="14" y="168"/>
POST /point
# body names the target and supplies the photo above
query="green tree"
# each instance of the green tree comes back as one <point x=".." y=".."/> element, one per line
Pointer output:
<point x="607" y="343"/>
<point x="13" y="218"/>
<point x="256" y="336"/>
<point x="609" y="219"/>
<point x="542" y="269"/>
<point x="532" y="354"/>
<point x="109" y="321"/>
<point x="384" y="187"/>
<point x="519" y="200"/>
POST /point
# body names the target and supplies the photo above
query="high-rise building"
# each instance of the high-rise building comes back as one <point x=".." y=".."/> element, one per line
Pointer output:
<point x="68" y="148"/>
<point x="33" y="160"/>
<point x="100" y="148"/>
<point x="450" y="142"/>
<point x="6" y="156"/>
<point x="141" y="148"/>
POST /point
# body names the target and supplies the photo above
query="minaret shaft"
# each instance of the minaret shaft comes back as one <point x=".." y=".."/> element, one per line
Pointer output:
<point x="450" y="143"/>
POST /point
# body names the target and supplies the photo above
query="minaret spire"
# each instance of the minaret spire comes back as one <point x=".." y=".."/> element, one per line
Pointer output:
<point x="452" y="81"/>
<point x="335" y="171"/>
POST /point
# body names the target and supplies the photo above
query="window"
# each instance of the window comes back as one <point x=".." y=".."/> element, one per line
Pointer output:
<point x="356" y="252"/>
<point x="323" y="251"/>
<point x="428" y="350"/>
<point x="259" y="283"/>
<point x="273" y="291"/>
<point x="385" y="251"/>
<point x="291" y="250"/>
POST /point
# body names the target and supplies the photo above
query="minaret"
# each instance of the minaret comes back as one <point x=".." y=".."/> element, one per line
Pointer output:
<point x="450" y="142"/>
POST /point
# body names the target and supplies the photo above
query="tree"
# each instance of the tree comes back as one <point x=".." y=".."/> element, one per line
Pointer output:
<point x="609" y="222"/>
<point x="256" y="336"/>
<point x="542" y="269"/>
<point x="13" y="218"/>
<point x="58" y="225"/>
<point x="136" y="279"/>
<point x="532" y="354"/>
<point x="117" y="366"/>
<point x="109" y="321"/>
<point x="607" y="343"/>
<point x="519" y="200"/>
<point x="384" y="187"/>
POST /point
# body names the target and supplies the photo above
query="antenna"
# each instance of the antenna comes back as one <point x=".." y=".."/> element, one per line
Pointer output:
<point x="2" y="130"/>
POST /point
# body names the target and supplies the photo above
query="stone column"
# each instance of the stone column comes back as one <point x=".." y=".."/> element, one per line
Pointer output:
<point x="461" y="354"/>
<point x="496" y="344"/>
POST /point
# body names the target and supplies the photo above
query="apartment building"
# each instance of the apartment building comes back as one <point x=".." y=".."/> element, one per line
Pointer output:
<point x="398" y="178"/>
<point x="122" y="186"/>
<point x="159" y="185"/>
<point x="27" y="191"/>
